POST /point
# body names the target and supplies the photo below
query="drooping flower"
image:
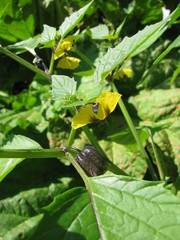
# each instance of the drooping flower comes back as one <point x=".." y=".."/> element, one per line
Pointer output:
<point x="68" y="63"/>
<point x="63" y="47"/>
<point x="126" y="72"/>
<point x="98" y="110"/>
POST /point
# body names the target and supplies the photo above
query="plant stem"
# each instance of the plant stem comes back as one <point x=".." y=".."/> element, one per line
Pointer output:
<point x="93" y="140"/>
<point x="82" y="56"/>
<point x="79" y="169"/>
<point x="176" y="186"/>
<point x="158" y="160"/>
<point x="135" y="134"/>
<point x="51" y="66"/>
<point x="71" y="137"/>
<point x="24" y="63"/>
<point x="31" y="153"/>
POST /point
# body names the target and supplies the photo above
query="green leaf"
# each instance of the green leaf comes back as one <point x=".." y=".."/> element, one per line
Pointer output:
<point x="129" y="161"/>
<point x="126" y="138"/>
<point x="19" y="227"/>
<point x="72" y="21"/>
<point x="69" y="216"/>
<point x="156" y="105"/>
<point x="99" y="32"/>
<point x="174" y="44"/>
<point x="48" y="36"/>
<point x="63" y="88"/>
<point x="32" y="200"/>
<point x="128" y="208"/>
<point x="118" y="30"/>
<point x="131" y="46"/>
<point x="27" y="45"/>
<point x="120" y="207"/>
<point x="18" y="142"/>
<point x="175" y="74"/>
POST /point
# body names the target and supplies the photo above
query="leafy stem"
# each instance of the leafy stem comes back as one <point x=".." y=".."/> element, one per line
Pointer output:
<point x="135" y="134"/>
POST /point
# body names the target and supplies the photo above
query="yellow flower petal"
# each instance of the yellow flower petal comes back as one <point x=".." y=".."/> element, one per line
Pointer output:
<point x="126" y="72"/>
<point x="107" y="103"/>
<point x="63" y="47"/>
<point x="68" y="63"/>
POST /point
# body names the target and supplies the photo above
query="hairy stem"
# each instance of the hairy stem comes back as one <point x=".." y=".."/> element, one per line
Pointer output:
<point x="31" y="153"/>
<point x="24" y="63"/>
<point x="71" y="137"/>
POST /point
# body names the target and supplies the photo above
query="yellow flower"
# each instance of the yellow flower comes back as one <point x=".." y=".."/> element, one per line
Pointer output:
<point x="126" y="72"/>
<point x="63" y="47"/>
<point x="107" y="102"/>
<point x="68" y="63"/>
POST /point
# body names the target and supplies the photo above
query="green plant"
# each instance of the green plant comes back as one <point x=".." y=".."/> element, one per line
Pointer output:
<point x="117" y="204"/>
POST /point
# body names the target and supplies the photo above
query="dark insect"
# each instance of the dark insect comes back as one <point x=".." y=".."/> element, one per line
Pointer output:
<point x="38" y="62"/>
<point x="95" y="107"/>
<point x="91" y="161"/>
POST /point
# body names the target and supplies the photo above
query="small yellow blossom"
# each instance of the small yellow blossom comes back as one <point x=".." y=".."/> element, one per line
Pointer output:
<point x="107" y="103"/>
<point x="68" y="63"/>
<point x="63" y="47"/>
<point x="126" y="72"/>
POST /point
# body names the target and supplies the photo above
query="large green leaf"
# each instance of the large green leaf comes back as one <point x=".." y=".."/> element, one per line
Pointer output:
<point x="18" y="142"/>
<point x="158" y="104"/>
<point x="120" y="207"/>
<point x="128" y="208"/>
<point x="69" y="216"/>
<point x="72" y="21"/>
<point x="131" y="46"/>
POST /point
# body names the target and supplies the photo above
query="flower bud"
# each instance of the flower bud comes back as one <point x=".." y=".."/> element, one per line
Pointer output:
<point x="91" y="161"/>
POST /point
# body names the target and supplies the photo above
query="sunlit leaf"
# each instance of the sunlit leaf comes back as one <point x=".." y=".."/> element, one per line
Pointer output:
<point x="63" y="88"/>
<point x="130" y="207"/>
<point x="131" y="46"/>
<point x="48" y="36"/>
<point x="119" y="207"/>
<point x="99" y="32"/>
<point x="72" y="21"/>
